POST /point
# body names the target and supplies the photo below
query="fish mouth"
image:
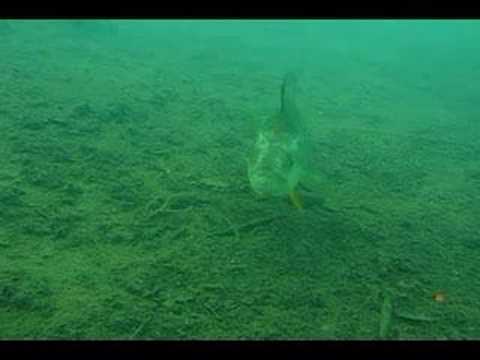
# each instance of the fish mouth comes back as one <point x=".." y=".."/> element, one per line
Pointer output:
<point x="267" y="185"/>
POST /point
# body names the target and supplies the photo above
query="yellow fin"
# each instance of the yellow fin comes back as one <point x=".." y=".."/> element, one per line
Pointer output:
<point x="296" y="199"/>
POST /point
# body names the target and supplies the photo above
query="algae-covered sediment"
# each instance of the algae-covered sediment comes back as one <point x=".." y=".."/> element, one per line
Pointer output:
<point x="126" y="209"/>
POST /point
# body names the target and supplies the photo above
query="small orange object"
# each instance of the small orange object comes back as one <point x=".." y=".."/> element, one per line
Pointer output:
<point x="439" y="296"/>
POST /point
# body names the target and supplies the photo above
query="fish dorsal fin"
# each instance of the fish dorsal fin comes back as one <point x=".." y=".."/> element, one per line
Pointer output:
<point x="287" y="92"/>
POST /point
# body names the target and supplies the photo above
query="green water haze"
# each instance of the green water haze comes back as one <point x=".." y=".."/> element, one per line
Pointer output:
<point x="126" y="210"/>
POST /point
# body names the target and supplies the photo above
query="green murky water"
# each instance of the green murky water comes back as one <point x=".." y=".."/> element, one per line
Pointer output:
<point x="125" y="204"/>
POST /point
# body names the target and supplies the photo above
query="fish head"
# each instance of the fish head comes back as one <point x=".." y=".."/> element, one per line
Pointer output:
<point x="273" y="170"/>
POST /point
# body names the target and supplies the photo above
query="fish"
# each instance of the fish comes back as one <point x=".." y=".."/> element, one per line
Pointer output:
<point x="279" y="157"/>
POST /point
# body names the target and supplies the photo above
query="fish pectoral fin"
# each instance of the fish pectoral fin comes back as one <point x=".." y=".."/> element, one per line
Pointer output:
<point x="305" y="187"/>
<point x="296" y="199"/>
